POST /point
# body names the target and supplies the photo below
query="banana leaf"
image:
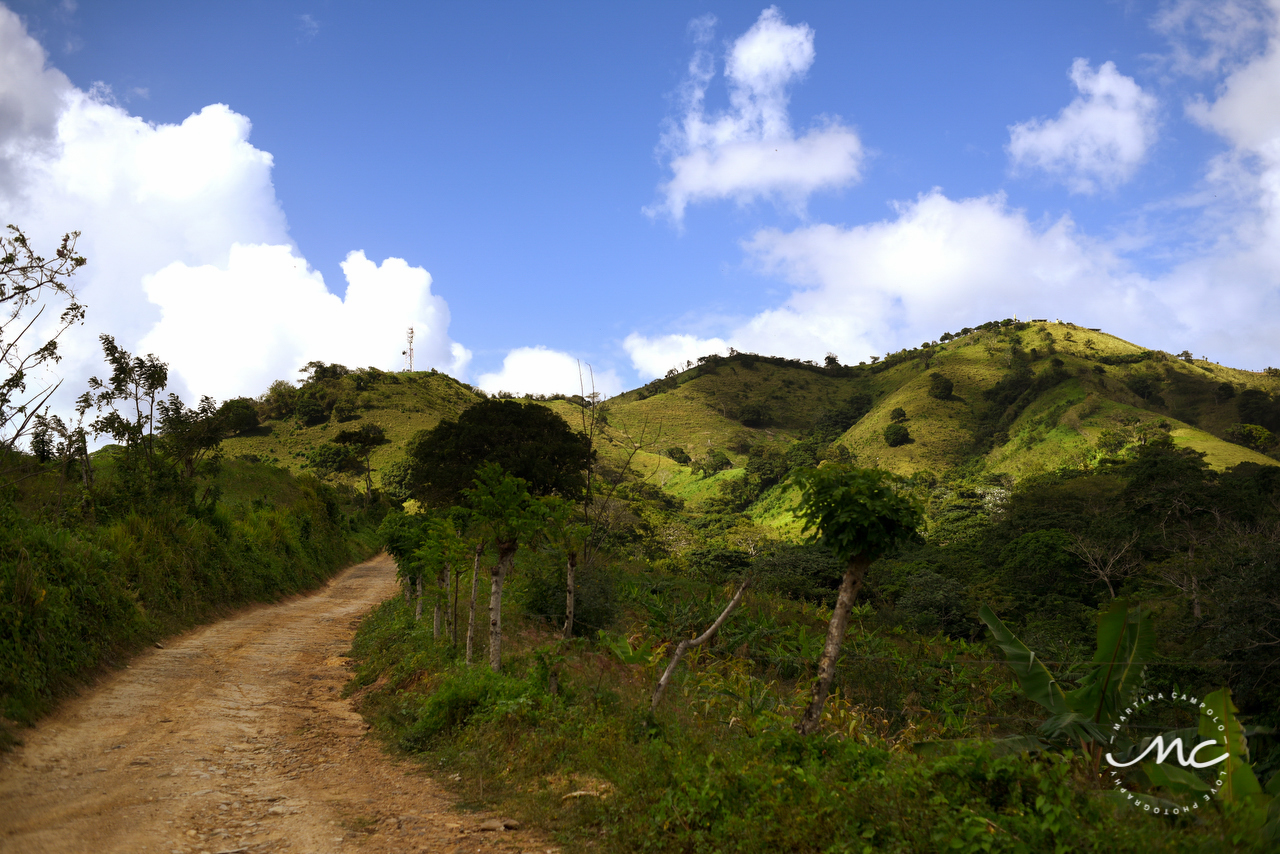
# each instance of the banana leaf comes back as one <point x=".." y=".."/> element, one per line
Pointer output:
<point x="1238" y="780"/>
<point x="1126" y="642"/>
<point x="1036" y="680"/>
<point x="1180" y="781"/>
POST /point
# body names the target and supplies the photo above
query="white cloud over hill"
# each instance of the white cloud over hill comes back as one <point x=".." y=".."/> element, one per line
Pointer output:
<point x="940" y="263"/>
<point x="189" y="251"/>
<point x="537" y="370"/>
<point x="751" y="151"/>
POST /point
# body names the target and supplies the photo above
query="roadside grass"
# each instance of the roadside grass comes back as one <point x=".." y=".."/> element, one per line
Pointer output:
<point x="718" y="767"/>
<point x="83" y="590"/>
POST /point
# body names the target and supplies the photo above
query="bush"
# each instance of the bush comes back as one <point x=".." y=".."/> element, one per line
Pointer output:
<point x="1251" y="436"/>
<point x="239" y="415"/>
<point x="895" y="435"/>
<point x="329" y="458"/>
<point x="679" y="455"/>
<point x="898" y="415"/>
<point x="309" y="410"/>
<point x="940" y="387"/>
<point x="755" y="415"/>
<point x="539" y="591"/>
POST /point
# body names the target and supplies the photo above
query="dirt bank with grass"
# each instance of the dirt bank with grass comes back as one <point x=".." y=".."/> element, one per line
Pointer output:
<point x="234" y="738"/>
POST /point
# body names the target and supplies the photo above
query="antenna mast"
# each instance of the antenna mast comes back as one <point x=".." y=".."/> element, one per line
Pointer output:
<point x="408" y="353"/>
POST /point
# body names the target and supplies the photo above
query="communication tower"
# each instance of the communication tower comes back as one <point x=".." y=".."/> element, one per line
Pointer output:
<point x="408" y="352"/>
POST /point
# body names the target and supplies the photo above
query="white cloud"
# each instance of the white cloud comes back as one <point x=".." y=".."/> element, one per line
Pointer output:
<point x="750" y="151"/>
<point x="229" y="329"/>
<point x="189" y="251"/>
<point x="653" y="357"/>
<point x="940" y="263"/>
<point x="1098" y="140"/>
<point x="537" y="370"/>
<point x="1206" y="35"/>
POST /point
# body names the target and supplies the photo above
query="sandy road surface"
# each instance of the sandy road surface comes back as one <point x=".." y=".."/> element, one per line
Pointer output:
<point x="234" y="738"/>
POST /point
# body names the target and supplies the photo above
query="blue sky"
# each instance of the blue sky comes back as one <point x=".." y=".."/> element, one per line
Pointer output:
<point x="598" y="181"/>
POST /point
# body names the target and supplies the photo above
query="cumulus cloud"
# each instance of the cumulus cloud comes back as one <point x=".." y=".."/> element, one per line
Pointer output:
<point x="189" y="251"/>
<point x="1098" y="140"/>
<point x="653" y="357"/>
<point x="220" y="326"/>
<point x="537" y="370"/>
<point x="940" y="263"/>
<point x="751" y="151"/>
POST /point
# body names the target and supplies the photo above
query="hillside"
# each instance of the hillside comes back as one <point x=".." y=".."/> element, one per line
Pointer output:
<point x="1026" y="398"/>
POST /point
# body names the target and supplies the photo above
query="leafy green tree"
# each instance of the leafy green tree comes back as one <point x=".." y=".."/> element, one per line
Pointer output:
<point x="940" y="387"/>
<point x="308" y="410"/>
<point x="679" y="456"/>
<point x="239" y="415"/>
<point x="897" y="415"/>
<point x="896" y="434"/>
<point x="715" y="461"/>
<point x="503" y="508"/>
<point x="1251" y="436"/>
<point x="126" y="403"/>
<point x="329" y="459"/>
<point x="279" y="401"/>
<point x="362" y="442"/>
<point x="858" y="514"/>
<point x="755" y="414"/>
<point x="27" y="282"/>
<point x="396" y="481"/>
<point x="527" y="440"/>
<point x="569" y="536"/>
<point x="191" y="436"/>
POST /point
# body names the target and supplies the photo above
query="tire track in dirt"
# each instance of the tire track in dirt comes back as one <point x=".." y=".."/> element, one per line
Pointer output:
<point x="234" y="738"/>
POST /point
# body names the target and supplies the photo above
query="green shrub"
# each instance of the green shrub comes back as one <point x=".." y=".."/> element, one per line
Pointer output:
<point x="895" y="435"/>
<point x="940" y="387"/>
<point x="539" y="590"/>
<point x="898" y="415"/>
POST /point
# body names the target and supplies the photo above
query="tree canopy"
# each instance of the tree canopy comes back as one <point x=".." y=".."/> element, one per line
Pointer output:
<point x="528" y="441"/>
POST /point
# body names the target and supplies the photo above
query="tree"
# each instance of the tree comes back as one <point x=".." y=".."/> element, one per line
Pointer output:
<point x="1251" y="436"/>
<point x="27" y="280"/>
<point x="328" y="459"/>
<point x="940" y="387"/>
<point x="528" y="441"/>
<point x="897" y="415"/>
<point x="569" y="536"/>
<point x="239" y="415"/>
<point x="504" y="509"/>
<point x="895" y="435"/>
<point x="858" y="514"/>
<point x="190" y="436"/>
<point x="127" y="400"/>
<point x="362" y="441"/>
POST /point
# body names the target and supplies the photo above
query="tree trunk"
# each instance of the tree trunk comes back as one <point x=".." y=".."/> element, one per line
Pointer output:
<point x="471" y="619"/>
<point x="686" y="645"/>
<point x="435" y="617"/>
<point x="506" y="553"/>
<point x="453" y="622"/>
<point x="417" y="609"/>
<point x="849" y="588"/>
<point x="569" y="594"/>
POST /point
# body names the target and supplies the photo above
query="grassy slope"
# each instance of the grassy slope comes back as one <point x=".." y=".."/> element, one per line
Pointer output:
<point x="700" y="413"/>
<point x="408" y="403"/>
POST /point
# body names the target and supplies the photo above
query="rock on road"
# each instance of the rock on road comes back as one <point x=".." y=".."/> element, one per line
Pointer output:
<point x="233" y="738"/>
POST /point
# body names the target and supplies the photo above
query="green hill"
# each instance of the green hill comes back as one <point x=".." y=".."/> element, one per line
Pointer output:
<point x="1026" y="398"/>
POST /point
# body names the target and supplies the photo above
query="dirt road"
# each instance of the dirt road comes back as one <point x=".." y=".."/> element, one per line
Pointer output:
<point x="234" y="738"/>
